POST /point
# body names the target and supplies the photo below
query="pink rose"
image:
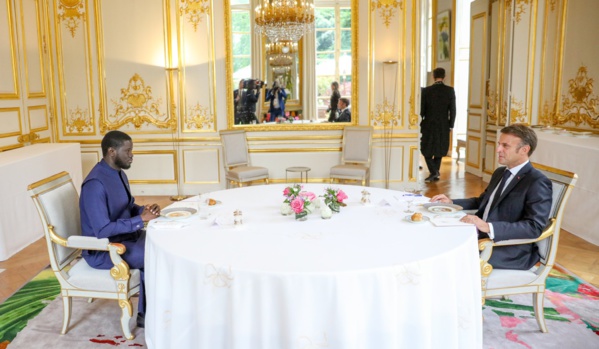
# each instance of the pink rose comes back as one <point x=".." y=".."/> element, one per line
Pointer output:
<point x="286" y="192"/>
<point x="308" y="195"/>
<point x="297" y="205"/>
<point x="341" y="196"/>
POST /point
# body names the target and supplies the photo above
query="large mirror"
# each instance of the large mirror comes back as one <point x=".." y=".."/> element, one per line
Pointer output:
<point x="287" y="84"/>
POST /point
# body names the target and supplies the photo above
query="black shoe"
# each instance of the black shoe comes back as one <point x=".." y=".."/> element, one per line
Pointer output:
<point x="431" y="178"/>
<point x="141" y="320"/>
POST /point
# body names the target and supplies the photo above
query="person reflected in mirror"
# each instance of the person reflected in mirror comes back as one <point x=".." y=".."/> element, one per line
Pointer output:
<point x="108" y="210"/>
<point x="344" y="111"/>
<point x="515" y="205"/>
<point x="248" y="101"/>
<point x="237" y="94"/>
<point x="438" y="110"/>
<point x="276" y="96"/>
<point x="333" y="102"/>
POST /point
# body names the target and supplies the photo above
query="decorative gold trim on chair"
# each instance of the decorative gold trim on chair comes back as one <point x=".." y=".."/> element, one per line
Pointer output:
<point x="71" y="12"/>
<point x="194" y="9"/>
<point x="136" y="107"/>
<point x="126" y="304"/>
<point x="57" y="239"/>
<point x="386" y="9"/>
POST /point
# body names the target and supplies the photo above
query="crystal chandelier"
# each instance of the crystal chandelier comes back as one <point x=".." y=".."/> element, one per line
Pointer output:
<point x="280" y="60"/>
<point x="284" y="19"/>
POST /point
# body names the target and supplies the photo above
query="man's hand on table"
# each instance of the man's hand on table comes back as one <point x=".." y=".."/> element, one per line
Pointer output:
<point x="150" y="212"/>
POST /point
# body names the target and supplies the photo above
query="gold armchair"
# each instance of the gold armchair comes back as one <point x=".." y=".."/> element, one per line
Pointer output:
<point x="505" y="282"/>
<point x="57" y="203"/>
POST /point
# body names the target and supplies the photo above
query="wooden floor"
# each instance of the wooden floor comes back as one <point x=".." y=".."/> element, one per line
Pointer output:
<point x="574" y="253"/>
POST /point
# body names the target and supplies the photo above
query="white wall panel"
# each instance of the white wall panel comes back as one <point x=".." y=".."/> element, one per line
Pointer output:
<point x="89" y="159"/>
<point x="201" y="166"/>
<point x="158" y="166"/>
<point x="10" y="119"/>
<point x="38" y="118"/>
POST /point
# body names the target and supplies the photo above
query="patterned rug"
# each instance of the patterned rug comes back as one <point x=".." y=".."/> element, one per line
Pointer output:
<point x="32" y="318"/>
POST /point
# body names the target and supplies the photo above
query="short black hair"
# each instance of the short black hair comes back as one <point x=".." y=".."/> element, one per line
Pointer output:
<point x="113" y="139"/>
<point x="439" y="73"/>
<point x="344" y="100"/>
<point x="526" y="134"/>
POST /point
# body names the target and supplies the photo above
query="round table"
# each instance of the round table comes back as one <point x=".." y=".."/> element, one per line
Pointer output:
<point x="365" y="278"/>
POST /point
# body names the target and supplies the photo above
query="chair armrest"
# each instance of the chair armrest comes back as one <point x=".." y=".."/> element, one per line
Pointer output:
<point x="87" y="243"/>
<point x="547" y="232"/>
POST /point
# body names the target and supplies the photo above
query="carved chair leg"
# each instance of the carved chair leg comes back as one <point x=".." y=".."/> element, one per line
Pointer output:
<point x="537" y="301"/>
<point x="66" y="316"/>
<point x="127" y="313"/>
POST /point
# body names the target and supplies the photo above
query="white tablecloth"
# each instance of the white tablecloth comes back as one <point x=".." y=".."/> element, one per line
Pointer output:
<point x="581" y="156"/>
<point x="363" y="279"/>
<point x="20" y="224"/>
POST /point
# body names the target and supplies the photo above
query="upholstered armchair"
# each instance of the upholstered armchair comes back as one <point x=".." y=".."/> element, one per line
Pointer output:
<point x="57" y="203"/>
<point x="237" y="161"/>
<point x="505" y="282"/>
<point x="355" y="156"/>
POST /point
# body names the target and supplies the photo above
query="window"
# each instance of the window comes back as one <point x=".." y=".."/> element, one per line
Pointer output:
<point x="242" y="40"/>
<point x="333" y="41"/>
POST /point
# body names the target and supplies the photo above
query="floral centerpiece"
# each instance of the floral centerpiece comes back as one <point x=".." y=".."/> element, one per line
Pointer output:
<point x="333" y="198"/>
<point x="299" y="200"/>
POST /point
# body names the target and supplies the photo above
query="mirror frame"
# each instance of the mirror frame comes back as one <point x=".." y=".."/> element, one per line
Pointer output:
<point x="290" y="127"/>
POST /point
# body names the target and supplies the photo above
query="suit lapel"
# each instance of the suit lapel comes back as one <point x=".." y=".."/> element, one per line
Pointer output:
<point x="513" y="183"/>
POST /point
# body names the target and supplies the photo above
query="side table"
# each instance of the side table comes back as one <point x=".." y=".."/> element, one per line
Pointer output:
<point x="300" y="169"/>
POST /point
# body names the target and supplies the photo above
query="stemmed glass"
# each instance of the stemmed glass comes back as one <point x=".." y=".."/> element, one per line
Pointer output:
<point x="410" y="197"/>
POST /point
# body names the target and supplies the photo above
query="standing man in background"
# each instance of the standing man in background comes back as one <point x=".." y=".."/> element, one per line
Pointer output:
<point x="437" y="109"/>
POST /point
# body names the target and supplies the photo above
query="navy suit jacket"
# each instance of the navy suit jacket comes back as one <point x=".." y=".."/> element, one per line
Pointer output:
<point x="521" y="212"/>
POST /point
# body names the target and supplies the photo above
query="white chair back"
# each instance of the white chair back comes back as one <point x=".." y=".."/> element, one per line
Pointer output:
<point x="57" y="203"/>
<point x="562" y="182"/>
<point x="357" y="145"/>
<point x="235" y="149"/>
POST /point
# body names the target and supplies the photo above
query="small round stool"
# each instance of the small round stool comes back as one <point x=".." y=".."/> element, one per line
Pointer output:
<point x="300" y="169"/>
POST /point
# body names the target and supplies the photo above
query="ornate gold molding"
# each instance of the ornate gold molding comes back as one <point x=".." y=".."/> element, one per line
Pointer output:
<point x="386" y="9"/>
<point x="28" y="138"/>
<point x="385" y="115"/>
<point x="136" y="107"/>
<point x="194" y="9"/>
<point x="79" y="120"/>
<point x="521" y="7"/>
<point x="517" y="112"/>
<point x="198" y="117"/>
<point x="492" y="101"/>
<point x="552" y="4"/>
<point x="580" y="106"/>
<point x="71" y="11"/>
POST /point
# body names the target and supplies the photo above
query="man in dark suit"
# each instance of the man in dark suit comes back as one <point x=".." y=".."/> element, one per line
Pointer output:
<point x="437" y="109"/>
<point x="520" y="209"/>
<point x="344" y="112"/>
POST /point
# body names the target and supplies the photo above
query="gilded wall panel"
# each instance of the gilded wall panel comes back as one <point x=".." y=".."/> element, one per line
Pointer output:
<point x="38" y="118"/>
<point x="89" y="159"/>
<point x="136" y="84"/>
<point x="9" y="83"/>
<point x="153" y="167"/>
<point x="32" y="43"/>
<point x="196" y="49"/>
<point x="75" y="69"/>
<point x="398" y="166"/>
<point x="577" y="95"/>
<point x="10" y="119"/>
<point x="387" y="38"/>
<point x="201" y="166"/>
<point x="473" y="154"/>
<point x="478" y="46"/>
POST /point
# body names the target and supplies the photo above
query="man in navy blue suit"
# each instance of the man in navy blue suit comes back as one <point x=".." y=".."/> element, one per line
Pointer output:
<point x="515" y="205"/>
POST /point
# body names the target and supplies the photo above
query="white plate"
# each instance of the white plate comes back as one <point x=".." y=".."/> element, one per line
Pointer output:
<point x="583" y="134"/>
<point x="178" y="212"/>
<point x="409" y="219"/>
<point x="440" y="208"/>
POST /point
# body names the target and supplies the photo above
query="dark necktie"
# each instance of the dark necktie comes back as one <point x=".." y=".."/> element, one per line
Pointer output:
<point x="506" y="175"/>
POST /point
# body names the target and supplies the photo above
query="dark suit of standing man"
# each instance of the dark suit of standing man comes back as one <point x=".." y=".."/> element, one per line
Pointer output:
<point x="521" y="210"/>
<point x="437" y="109"/>
<point x="344" y="112"/>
